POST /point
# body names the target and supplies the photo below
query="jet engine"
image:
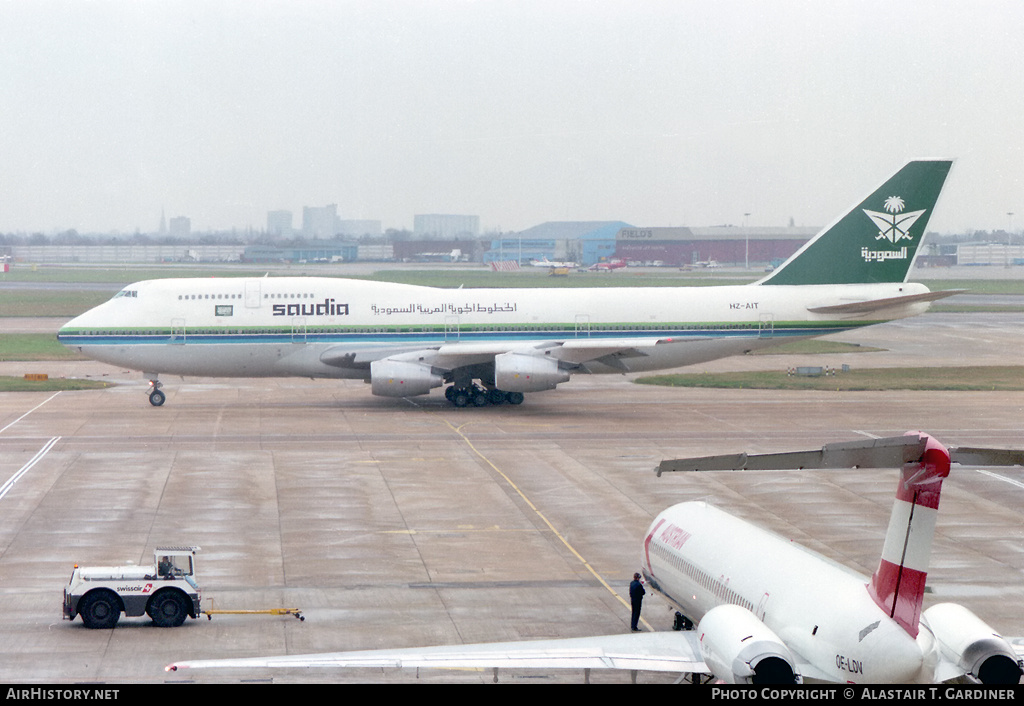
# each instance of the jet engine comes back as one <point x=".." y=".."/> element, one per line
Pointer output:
<point x="974" y="647"/>
<point x="516" y="372"/>
<point x="399" y="378"/>
<point x="740" y="649"/>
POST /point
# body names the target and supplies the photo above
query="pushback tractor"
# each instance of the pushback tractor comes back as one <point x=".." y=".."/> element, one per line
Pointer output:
<point x="166" y="591"/>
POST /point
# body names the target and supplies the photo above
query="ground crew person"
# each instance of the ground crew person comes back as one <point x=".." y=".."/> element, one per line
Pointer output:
<point x="636" y="597"/>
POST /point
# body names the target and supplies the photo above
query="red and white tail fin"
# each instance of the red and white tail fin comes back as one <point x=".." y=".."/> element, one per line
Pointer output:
<point x="897" y="586"/>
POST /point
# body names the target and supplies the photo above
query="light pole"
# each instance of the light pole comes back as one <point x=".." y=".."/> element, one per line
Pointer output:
<point x="746" y="249"/>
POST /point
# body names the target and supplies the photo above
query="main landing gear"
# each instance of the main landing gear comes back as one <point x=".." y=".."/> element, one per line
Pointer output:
<point x="156" y="397"/>
<point x="476" y="396"/>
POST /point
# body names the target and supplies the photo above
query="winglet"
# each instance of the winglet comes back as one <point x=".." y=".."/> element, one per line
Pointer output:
<point x="897" y="586"/>
<point x="875" y="241"/>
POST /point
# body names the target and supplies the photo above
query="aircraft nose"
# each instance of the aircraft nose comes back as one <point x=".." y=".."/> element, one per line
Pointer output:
<point x="74" y="325"/>
<point x="69" y="326"/>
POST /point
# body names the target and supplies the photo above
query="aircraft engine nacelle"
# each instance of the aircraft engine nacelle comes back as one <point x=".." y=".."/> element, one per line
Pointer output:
<point x="516" y="372"/>
<point x="968" y="642"/>
<point x="399" y="378"/>
<point x="740" y="649"/>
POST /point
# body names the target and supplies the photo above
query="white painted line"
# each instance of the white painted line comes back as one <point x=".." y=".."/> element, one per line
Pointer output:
<point x="864" y="433"/>
<point x="1011" y="481"/>
<point x="29" y="412"/>
<point x="28" y="466"/>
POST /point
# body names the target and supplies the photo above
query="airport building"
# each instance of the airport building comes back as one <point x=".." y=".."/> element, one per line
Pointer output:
<point x="990" y="254"/>
<point x="308" y="251"/>
<point x="126" y="252"/>
<point x="585" y="242"/>
<point x="590" y="242"/>
<point x="724" y="245"/>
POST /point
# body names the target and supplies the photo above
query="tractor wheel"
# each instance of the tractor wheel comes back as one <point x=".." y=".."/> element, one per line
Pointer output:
<point x="168" y="608"/>
<point x="100" y="609"/>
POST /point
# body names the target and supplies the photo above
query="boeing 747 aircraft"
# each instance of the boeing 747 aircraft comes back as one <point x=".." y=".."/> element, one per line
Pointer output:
<point x="406" y="340"/>
<point x="766" y="609"/>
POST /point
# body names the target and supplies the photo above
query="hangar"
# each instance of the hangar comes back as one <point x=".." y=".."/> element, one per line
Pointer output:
<point x="725" y="245"/>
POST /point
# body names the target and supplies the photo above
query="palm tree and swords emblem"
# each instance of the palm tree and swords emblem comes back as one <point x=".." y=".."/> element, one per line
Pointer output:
<point x="894" y="225"/>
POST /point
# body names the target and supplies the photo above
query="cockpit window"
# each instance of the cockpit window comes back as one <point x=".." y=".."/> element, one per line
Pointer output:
<point x="127" y="293"/>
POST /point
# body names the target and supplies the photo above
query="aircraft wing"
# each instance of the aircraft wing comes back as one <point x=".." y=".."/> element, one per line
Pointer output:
<point x="865" y="307"/>
<point x="677" y="652"/>
<point x="573" y="351"/>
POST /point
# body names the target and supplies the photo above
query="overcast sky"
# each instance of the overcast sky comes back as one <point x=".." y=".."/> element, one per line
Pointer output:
<point x="520" y="111"/>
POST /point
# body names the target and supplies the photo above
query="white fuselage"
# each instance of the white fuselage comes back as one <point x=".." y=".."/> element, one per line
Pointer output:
<point x="700" y="557"/>
<point x="251" y="327"/>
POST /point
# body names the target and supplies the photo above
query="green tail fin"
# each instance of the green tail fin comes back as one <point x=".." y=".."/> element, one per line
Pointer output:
<point x="877" y="240"/>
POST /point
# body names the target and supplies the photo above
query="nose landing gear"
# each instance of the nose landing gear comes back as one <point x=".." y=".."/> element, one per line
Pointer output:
<point x="156" y="397"/>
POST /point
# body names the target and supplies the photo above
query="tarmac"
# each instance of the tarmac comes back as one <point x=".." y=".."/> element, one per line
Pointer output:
<point x="402" y="523"/>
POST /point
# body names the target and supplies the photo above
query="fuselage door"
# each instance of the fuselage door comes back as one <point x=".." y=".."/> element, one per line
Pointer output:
<point x="451" y="328"/>
<point x="253" y="293"/>
<point x="762" y="606"/>
<point x="766" y="326"/>
<point x="582" y="325"/>
<point x="177" y="331"/>
<point x="299" y="330"/>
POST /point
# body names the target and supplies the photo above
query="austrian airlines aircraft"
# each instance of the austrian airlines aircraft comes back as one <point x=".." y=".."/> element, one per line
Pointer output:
<point x="766" y="609"/>
<point x="406" y="340"/>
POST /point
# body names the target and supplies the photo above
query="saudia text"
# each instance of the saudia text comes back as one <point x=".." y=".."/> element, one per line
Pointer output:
<point x="329" y="307"/>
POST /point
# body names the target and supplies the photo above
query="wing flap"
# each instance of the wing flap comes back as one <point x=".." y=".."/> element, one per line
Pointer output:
<point x="344" y="357"/>
<point x="658" y="652"/>
<point x="584" y="350"/>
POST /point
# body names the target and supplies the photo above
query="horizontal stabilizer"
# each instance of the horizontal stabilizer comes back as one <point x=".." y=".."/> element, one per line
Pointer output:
<point x="878" y="304"/>
<point x="888" y="452"/>
<point x="870" y="453"/>
<point x="971" y="456"/>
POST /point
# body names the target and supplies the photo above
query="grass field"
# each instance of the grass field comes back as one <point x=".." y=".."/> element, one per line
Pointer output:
<point x="15" y="384"/>
<point x="34" y="346"/>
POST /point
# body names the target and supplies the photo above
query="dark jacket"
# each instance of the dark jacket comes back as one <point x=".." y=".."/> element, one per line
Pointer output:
<point x="636" y="591"/>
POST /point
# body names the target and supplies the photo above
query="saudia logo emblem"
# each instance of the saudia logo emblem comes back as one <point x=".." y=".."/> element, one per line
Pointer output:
<point x="893" y="227"/>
